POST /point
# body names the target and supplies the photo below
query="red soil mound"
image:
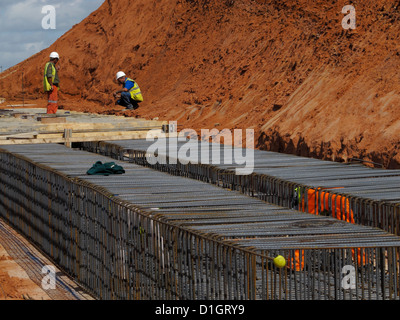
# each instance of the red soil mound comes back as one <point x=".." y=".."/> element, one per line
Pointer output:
<point x="287" y="69"/>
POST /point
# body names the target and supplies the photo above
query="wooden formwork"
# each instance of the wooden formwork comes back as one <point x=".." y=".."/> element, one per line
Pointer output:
<point x="33" y="126"/>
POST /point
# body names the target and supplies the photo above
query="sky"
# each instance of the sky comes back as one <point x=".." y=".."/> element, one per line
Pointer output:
<point x="27" y="26"/>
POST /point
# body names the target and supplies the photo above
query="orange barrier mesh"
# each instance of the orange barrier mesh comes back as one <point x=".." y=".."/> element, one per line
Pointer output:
<point x="317" y="203"/>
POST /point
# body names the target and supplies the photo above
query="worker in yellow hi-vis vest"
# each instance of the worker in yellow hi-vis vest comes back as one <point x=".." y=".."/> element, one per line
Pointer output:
<point x="130" y="95"/>
<point x="51" y="82"/>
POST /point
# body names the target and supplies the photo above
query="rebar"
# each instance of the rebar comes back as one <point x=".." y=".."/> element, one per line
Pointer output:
<point x="373" y="194"/>
<point x="150" y="235"/>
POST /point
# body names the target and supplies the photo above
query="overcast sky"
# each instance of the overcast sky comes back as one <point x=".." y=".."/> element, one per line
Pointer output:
<point x="21" y="30"/>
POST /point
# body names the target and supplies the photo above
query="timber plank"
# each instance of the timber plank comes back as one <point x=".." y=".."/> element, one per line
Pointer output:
<point x="79" y="137"/>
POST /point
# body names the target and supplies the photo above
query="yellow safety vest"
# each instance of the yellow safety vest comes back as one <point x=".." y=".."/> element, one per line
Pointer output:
<point x="46" y="84"/>
<point x="135" y="91"/>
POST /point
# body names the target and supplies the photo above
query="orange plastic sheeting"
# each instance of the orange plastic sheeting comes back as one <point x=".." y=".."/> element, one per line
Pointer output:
<point x="317" y="202"/>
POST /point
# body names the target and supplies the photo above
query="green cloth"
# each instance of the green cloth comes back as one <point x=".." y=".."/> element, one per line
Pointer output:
<point x="105" y="169"/>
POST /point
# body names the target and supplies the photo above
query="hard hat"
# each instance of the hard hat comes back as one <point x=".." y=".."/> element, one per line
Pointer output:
<point x="54" y="55"/>
<point x="120" y="74"/>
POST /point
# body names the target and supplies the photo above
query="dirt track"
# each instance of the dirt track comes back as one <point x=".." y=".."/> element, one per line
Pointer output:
<point x="21" y="272"/>
<point x="15" y="284"/>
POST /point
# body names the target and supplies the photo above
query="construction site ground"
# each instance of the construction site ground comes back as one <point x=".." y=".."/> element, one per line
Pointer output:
<point x="22" y="276"/>
<point x="15" y="284"/>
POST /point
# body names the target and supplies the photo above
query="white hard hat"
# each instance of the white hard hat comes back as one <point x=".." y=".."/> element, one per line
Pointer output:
<point x="54" y="55"/>
<point x="120" y="74"/>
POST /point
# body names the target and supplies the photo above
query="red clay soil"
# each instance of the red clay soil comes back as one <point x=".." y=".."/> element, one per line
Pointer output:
<point x="15" y="284"/>
<point x="286" y="69"/>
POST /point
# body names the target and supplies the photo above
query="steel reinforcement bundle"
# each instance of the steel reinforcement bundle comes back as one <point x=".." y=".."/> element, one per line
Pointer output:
<point x="372" y="196"/>
<point x="138" y="237"/>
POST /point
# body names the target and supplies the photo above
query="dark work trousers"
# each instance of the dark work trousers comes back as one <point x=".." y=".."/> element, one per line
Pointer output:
<point x="127" y="101"/>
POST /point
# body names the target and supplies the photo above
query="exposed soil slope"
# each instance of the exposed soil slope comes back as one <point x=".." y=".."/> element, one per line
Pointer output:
<point x="284" y="68"/>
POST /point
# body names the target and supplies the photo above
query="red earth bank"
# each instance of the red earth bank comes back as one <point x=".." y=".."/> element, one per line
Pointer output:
<point x="286" y="69"/>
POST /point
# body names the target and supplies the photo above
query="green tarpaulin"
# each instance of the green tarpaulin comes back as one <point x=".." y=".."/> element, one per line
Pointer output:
<point x="105" y="169"/>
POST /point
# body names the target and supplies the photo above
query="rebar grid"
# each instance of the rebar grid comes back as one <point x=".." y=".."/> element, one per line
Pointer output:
<point x="373" y="195"/>
<point x="120" y="250"/>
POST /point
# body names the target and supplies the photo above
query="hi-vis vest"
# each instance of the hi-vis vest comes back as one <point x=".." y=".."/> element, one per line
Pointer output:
<point x="46" y="84"/>
<point x="135" y="91"/>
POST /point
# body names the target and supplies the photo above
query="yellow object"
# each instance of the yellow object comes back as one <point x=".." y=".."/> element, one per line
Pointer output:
<point x="46" y="83"/>
<point x="135" y="91"/>
<point x="279" y="261"/>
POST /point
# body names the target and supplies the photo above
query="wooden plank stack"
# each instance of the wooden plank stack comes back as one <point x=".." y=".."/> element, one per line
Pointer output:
<point x="33" y="125"/>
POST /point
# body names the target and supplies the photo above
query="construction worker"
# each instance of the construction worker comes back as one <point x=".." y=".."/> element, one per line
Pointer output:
<point x="130" y="95"/>
<point x="51" y="82"/>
